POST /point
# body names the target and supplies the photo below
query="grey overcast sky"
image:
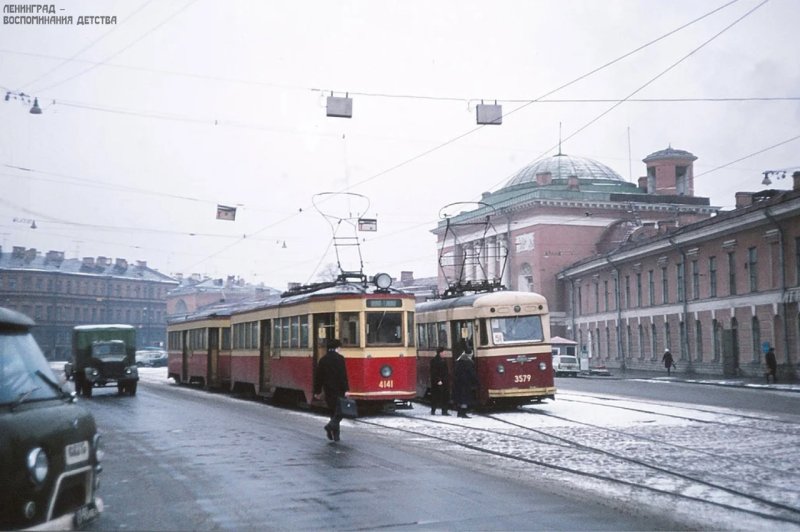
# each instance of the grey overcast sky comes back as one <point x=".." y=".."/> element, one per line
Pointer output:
<point x="149" y="123"/>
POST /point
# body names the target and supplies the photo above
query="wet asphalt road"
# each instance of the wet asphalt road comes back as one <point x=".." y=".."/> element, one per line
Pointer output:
<point x="185" y="459"/>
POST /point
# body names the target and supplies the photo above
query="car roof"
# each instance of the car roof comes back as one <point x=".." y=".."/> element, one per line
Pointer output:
<point x="11" y="319"/>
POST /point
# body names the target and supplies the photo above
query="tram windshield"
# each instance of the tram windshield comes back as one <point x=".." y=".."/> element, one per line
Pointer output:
<point x="517" y="329"/>
<point x="384" y="328"/>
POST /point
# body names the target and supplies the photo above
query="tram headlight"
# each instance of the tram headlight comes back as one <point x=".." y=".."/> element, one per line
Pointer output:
<point x="386" y="372"/>
<point x="38" y="465"/>
<point x="542" y="366"/>
<point x="501" y="369"/>
<point x="383" y="281"/>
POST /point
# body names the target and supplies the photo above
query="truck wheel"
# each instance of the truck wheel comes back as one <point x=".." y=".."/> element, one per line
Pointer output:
<point x="87" y="388"/>
<point x="132" y="388"/>
<point x="120" y="388"/>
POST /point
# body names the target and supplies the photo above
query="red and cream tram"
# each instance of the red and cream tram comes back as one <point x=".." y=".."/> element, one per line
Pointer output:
<point x="199" y="348"/>
<point x="508" y="334"/>
<point x="276" y="345"/>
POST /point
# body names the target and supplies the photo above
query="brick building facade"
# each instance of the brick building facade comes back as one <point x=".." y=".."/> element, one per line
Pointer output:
<point x="59" y="293"/>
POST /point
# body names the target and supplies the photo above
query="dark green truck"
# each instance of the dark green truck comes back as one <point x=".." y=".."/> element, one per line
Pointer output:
<point x="103" y="355"/>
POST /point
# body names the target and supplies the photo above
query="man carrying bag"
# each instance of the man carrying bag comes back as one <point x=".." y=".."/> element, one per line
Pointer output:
<point x="331" y="378"/>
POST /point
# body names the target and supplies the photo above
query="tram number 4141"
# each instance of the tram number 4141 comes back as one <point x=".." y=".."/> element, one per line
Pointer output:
<point x="386" y="383"/>
<point x="522" y="378"/>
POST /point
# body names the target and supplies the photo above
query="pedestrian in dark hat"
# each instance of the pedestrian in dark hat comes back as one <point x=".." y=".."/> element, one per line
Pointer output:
<point x="331" y="378"/>
<point x="440" y="387"/>
<point x="466" y="383"/>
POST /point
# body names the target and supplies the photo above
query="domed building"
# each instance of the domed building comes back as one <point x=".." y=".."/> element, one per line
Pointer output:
<point x="560" y="210"/>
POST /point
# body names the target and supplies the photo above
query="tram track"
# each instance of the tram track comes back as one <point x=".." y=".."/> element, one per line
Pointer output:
<point x="731" y="491"/>
<point x="608" y="402"/>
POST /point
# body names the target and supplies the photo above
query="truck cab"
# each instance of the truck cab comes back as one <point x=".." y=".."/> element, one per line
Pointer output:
<point x="103" y="355"/>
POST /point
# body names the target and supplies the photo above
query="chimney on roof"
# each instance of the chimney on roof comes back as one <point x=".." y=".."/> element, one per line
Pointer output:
<point x="643" y="184"/>
<point x="30" y="254"/>
<point x="103" y="261"/>
<point x="744" y="199"/>
<point x="406" y="277"/>
<point x="88" y="262"/>
<point x="18" y="252"/>
<point x="142" y="264"/>
<point x="121" y="264"/>
<point x="796" y="178"/>
<point x="292" y="286"/>
<point x="54" y="257"/>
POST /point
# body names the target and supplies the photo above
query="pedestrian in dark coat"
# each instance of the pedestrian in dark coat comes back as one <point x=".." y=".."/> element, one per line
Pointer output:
<point x="331" y="378"/>
<point x="440" y="386"/>
<point x="466" y="382"/>
<point x="668" y="361"/>
<point x="772" y="365"/>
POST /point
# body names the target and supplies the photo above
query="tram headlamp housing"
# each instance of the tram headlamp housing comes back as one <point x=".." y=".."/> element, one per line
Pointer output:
<point x="38" y="465"/>
<point x="386" y="372"/>
<point x="501" y="369"/>
<point x="542" y="366"/>
<point x="383" y="281"/>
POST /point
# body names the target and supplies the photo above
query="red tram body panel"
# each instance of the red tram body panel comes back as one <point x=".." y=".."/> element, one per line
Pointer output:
<point x="507" y="334"/>
<point x="199" y="349"/>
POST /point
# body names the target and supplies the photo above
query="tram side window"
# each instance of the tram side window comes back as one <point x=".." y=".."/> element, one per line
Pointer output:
<point x="349" y="329"/>
<point x="422" y="335"/>
<point x="285" y="332"/>
<point x="484" y="333"/>
<point x="276" y="333"/>
<point x="226" y="338"/>
<point x="295" y="331"/>
<point x="410" y="332"/>
<point x="304" y="331"/>
<point x="384" y="328"/>
<point x="441" y="334"/>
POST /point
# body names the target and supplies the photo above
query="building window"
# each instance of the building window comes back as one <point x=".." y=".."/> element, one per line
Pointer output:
<point x="628" y="291"/>
<point x="716" y="337"/>
<point x="667" y="336"/>
<point x="756" y="340"/>
<point x="752" y="268"/>
<point x="695" y="280"/>
<point x="641" y="342"/>
<point x="797" y="262"/>
<point x="605" y="294"/>
<point x="580" y="301"/>
<point x="616" y="292"/>
<point x="664" y="286"/>
<point x="680" y="275"/>
<point x="698" y="340"/>
<point x="684" y="340"/>
<point x="638" y="289"/>
<point x="651" y="287"/>
<point x="630" y="341"/>
<point x="608" y="343"/>
<point x="712" y="276"/>
<point x="653" y="341"/>
<point x="732" y="273"/>
<point x="596" y="298"/>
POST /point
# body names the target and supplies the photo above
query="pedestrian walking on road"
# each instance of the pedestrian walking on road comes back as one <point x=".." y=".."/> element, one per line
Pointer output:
<point x="440" y="387"/>
<point x="331" y="378"/>
<point x="668" y="361"/>
<point x="772" y="365"/>
<point x="466" y="383"/>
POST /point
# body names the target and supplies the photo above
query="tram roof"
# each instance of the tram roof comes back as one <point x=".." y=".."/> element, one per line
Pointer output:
<point x="503" y="297"/>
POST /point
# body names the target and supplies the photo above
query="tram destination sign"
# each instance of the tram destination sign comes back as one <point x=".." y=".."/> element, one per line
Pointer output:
<point x="384" y="303"/>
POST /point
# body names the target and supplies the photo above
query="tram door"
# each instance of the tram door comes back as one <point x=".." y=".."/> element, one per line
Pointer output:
<point x="461" y="333"/>
<point x="185" y="356"/>
<point x="324" y="328"/>
<point x="213" y="357"/>
<point x="264" y="355"/>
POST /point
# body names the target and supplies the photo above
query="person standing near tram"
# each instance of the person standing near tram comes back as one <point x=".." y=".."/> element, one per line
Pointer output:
<point x="466" y="383"/>
<point x="440" y="388"/>
<point x="331" y="378"/>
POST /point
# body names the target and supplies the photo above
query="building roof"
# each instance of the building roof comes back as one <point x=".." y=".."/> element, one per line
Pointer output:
<point x="669" y="153"/>
<point x="54" y="262"/>
<point x="562" y="166"/>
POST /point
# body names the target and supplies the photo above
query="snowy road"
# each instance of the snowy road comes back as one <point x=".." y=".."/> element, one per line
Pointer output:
<point x="698" y="467"/>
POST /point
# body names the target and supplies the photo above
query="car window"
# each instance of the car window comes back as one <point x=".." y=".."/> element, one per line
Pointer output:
<point x="20" y="360"/>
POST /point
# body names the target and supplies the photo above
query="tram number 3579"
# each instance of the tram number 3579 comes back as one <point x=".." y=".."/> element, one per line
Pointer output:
<point x="522" y="378"/>
<point x="386" y="383"/>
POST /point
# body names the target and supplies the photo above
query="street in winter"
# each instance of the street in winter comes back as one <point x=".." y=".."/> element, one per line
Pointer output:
<point x="178" y="457"/>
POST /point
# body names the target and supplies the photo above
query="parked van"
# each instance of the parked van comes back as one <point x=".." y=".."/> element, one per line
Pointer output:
<point x="566" y="365"/>
<point x="49" y="446"/>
